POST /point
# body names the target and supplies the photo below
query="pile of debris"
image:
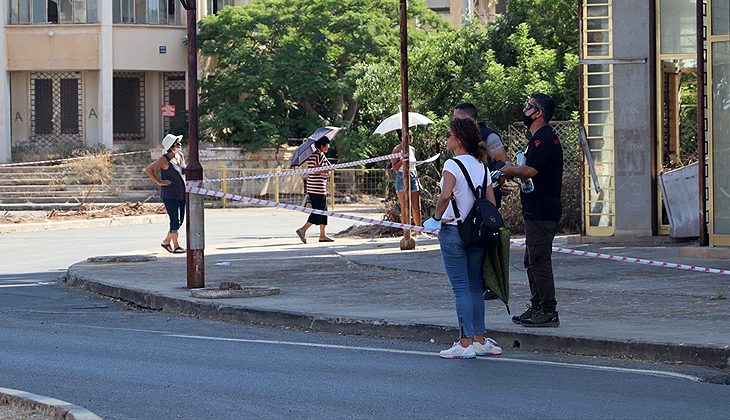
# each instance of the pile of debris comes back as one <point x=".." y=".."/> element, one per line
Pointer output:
<point x="85" y="211"/>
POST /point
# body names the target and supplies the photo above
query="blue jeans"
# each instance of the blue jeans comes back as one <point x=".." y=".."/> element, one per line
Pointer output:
<point x="176" y="211"/>
<point x="463" y="266"/>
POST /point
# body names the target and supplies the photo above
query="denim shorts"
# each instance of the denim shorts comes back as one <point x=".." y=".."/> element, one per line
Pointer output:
<point x="415" y="186"/>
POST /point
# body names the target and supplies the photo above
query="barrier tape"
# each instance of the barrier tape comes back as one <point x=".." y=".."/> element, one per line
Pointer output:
<point x="303" y="171"/>
<point x="202" y="191"/>
<point x="3" y="165"/>
<point x="630" y="260"/>
<point x="198" y="190"/>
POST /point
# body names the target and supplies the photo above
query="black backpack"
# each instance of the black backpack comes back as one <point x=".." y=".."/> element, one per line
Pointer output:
<point x="480" y="227"/>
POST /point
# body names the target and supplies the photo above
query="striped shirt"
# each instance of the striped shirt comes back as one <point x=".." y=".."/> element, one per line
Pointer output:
<point x="317" y="183"/>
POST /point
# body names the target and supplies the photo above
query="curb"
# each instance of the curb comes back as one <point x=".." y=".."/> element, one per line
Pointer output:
<point x="59" y="409"/>
<point x="379" y="328"/>
<point x="83" y="224"/>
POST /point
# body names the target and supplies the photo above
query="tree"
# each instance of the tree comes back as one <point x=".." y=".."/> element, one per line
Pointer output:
<point x="458" y="65"/>
<point x="553" y="24"/>
<point x="285" y="67"/>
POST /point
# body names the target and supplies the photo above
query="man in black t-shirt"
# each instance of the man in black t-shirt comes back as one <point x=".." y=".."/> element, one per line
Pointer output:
<point x="541" y="209"/>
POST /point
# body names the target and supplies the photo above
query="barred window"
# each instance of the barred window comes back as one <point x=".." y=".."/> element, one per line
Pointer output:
<point x="40" y="12"/>
<point x="129" y="106"/>
<point x="55" y="109"/>
<point x="150" y="12"/>
<point x="43" y="106"/>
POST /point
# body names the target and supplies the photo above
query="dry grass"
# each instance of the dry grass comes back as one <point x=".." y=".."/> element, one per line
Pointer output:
<point x="15" y="411"/>
<point x="96" y="168"/>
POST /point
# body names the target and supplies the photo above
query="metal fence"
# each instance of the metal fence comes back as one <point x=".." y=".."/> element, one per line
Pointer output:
<point x="370" y="187"/>
<point x="346" y="186"/>
<point x="567" y="131"/>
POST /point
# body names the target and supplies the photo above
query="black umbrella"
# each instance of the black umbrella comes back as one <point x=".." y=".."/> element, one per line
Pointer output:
<point x="495" y="270"/>
<point x="307" y="148"/>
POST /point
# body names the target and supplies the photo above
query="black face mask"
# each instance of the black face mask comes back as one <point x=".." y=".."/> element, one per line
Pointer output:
<point x="527" y="120"/>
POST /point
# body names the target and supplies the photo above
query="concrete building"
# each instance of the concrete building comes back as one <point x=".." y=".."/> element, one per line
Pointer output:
<point x="455" y="10"/>
<point x="87" y="72"/>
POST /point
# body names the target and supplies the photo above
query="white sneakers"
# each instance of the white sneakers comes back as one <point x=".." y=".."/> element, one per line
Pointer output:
<point x="423" y="236"/>
<point x="459" y="352"/>
<point x="489" y="348"/>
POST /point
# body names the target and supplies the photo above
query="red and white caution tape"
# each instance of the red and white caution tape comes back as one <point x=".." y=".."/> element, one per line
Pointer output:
<point x="196" y="189"/>
<point x="39" y="162"/>
<point x="303" y="171"/>
<point x="630" y="260"/>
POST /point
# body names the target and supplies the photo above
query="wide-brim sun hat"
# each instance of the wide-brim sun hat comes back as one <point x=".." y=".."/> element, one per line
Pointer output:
<point x="168" y="141"/>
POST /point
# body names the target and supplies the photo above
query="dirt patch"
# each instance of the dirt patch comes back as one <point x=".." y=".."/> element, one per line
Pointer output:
<point x="369" y="231"/>
<point x="86" y="212"/>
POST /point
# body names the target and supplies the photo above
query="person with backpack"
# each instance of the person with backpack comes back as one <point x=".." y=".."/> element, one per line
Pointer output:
<point x="498" y="154"/>
<point x="463" y="262"/>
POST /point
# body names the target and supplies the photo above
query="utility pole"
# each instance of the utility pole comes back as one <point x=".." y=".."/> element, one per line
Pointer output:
<point x="194" y="225"/>
<point x="407" y="242"/>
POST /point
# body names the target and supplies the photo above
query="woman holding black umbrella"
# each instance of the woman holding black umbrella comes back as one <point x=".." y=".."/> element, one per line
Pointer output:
<point x="317" y="191"/>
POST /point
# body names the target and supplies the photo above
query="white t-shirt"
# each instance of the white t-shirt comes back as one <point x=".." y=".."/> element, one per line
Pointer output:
<point x="462" y="192"/>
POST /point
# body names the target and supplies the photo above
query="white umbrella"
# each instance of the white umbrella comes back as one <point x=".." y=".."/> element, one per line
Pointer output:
<point x="394" y="122"/>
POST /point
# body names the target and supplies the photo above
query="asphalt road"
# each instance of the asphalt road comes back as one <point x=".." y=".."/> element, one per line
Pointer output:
<point x="124" y="363"/>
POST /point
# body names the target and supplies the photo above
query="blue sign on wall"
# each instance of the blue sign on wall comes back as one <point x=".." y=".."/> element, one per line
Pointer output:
<point x="163" y="49"/>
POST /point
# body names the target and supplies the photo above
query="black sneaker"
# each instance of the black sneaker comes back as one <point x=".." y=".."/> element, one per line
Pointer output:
<point x="529" y="313"/>
<point x="489" y="295"/>
<point x="542" y="319"/>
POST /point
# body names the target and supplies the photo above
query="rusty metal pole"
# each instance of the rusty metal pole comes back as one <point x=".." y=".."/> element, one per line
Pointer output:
<point x="704" y="240"/>
<point x="194" y="224"/>
<point x="407" y="242"/>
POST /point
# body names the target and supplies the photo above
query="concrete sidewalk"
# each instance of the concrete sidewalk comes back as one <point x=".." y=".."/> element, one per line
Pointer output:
<point x="371" y="287"/>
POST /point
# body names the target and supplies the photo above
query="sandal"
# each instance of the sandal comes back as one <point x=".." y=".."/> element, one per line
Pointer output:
<point x="167" y="247"/>
<point x="179" y="250"/>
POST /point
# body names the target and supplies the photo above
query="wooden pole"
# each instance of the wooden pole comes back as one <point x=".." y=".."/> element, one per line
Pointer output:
<point x="194" y="225"/>
<point x="407" y="242"/>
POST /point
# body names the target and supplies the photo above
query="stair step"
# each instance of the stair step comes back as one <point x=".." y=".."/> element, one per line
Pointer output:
<point x="73" y="200"/>
<point x="47" y="187"/>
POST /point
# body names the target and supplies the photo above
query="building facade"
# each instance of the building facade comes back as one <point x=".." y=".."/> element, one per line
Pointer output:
<point x="87" y="72"/>
<point x="639" y="106"/>
<point x="454" y="10"/>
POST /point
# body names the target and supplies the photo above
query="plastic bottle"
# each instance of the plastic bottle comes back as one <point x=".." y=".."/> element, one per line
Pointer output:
<point x="525" y="183"/>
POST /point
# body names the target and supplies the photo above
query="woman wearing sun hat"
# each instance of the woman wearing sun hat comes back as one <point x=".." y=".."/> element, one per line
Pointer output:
<point x="172" y="188"/>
